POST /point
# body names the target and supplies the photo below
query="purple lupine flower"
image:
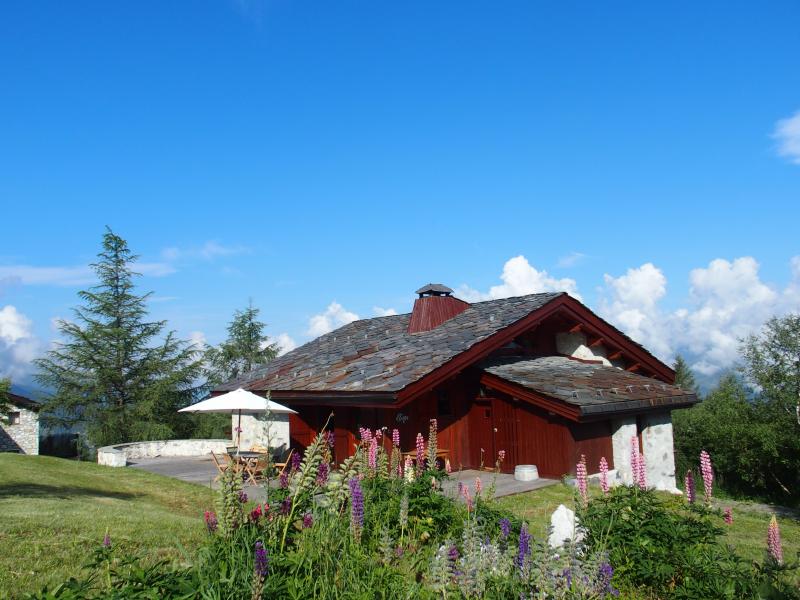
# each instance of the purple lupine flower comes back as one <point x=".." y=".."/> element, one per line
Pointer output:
<point x="242" y="496"/>
<point x="452" y="559"/>
<point x="396" y="438"/>
<point x="296" y="461"/>
<point x="211" y="521"/>
<point x="688" y="484"/>
<point x="478" y="486"/>
<point x="366" y="434"/>
<point x="420" y="443"/>
<point x="330" y="438"/>
<point x="635" y="459"/>
<point x="106" y="541"/>
<point x="604" y="575"/>
<point x="322" y="474"/>
<point x="286" y="506"/>
<point x="567" y="574"/>
<point x="356" y="507"/>
<point x="308" y="520"/>
<point x="261" y="561"/>
<point x="728" y="516"/>
<point x="581" y="477"/>
<point x="505" y="527"/>
<point x="284" y="479"/>
<point x="524" y="546"/>
<point x="708" y="475"/>
<point x="604" y="474"/>
<point x="774" y="541"/>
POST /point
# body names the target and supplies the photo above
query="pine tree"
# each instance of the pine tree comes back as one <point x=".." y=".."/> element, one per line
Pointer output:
<point x="684" y="378"/>
<point x="246" y="348"/>
<point x="117" y="372"/>
<point x="5" y="387"/>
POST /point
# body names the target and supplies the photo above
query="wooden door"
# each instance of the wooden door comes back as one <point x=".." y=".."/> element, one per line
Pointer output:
<point x="504" y="429"/>
<point x="481" y="433"/>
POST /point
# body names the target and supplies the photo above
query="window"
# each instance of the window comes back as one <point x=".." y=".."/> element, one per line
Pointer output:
<point x="13" y="418"/>
<point x="443" y="408"/>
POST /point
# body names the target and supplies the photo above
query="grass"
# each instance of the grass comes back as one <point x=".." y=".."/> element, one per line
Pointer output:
<point x="747" y="534"/>
<point x="55" y="511"/>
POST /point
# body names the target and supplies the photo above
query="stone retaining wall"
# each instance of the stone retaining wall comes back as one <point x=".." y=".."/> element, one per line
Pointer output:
<point x="119" y="455"/>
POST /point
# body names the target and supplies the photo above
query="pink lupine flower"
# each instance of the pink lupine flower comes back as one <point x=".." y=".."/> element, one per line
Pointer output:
<point x="688" y="484"/>
<point x="708" y="475"/>
<point x="420" y="452"/>
<point x="501" y="456"/>
<point x="447" y="468"/>
<point x="774" y="541"/>
<point x="366" y="434"/>
<point x="396" y="438"/>
<point x="433" y="443"/>
<point x="580" y="476"/>
<point x="642" y="472"/>
<point x="604" y="474"/>
<point x="728" y="516"/>
<point x="635" y="459"/>
<point x="372" y="457"/>
<point x="467" y="498"/>
<point x="478" y="486"/>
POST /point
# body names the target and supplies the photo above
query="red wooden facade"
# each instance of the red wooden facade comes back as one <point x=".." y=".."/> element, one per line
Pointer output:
<point x="475" y="422"/>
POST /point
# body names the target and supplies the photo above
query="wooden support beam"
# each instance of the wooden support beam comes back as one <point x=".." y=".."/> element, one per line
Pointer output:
<point x="615" y="355"/>
<point x="577" y="329"/>
<point x="598" y="341"/>
<point x="634" y="367"/>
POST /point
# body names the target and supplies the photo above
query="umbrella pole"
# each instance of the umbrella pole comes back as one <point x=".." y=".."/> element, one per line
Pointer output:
<point x="239" y="432"/>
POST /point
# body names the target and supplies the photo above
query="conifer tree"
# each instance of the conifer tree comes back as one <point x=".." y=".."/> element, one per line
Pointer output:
<point x="120" y="374"/>
<point x="246" y="348"/>
<point x="684" y="378"/>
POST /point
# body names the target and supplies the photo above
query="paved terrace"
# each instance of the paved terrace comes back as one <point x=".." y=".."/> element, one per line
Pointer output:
<point x="200" y="470"/>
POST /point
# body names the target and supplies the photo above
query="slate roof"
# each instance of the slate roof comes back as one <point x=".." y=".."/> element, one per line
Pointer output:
<point x="379" y="355"/>
<point x="23" y="402"/>
<point x="593" y="388"/>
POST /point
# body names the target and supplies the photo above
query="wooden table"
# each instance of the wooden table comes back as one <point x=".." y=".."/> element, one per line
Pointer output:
<point x="441" y="453"/>
<point x="247" y="463"/>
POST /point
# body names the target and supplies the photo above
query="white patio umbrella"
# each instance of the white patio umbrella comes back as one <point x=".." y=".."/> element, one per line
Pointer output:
<point x="238" y="401"/>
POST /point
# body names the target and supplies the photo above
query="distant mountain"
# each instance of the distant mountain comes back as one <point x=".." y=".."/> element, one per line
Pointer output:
<point x="31" y="392"/>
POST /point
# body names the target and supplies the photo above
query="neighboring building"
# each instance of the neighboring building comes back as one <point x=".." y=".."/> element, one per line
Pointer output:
<point x="19" y="431"/>
<point x="540" y="376"/>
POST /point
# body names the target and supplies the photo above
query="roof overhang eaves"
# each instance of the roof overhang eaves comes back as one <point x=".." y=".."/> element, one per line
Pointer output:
<point x="638" y="406"/>
<point x="335" y="398"/>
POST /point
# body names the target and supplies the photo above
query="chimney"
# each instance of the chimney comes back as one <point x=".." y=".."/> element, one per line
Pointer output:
<point x="434" y="306"/>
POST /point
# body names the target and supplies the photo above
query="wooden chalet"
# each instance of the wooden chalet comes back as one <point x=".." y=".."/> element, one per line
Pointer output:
<point x="539" y="376"/>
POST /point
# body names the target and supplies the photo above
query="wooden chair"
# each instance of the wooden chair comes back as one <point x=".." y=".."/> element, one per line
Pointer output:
<point x="221" y="465"/>
<point x="280" y="466"/>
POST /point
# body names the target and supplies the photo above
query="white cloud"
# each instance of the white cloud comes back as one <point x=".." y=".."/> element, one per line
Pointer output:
<point x="198" y="340"/>
<point x="571" y="259"/>
<point x="285" y="342"/>
<point x="332" y="318"/>
<point x="71" y="276"/>
<point x="631" y="303"/>
<point x="727" y="302"/>
<point x="18" y="345"/>
<point x="520" y="278"/>
<point x="383" y="312"/>
<point x="787" y="134"/>
<point x="208" y="251"/>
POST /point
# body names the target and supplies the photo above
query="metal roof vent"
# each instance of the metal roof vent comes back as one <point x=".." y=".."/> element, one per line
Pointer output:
<point x="434" y="289"/>
<point x="434" y="306"/>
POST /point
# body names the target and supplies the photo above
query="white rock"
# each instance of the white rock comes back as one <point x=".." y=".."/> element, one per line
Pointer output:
<point x="563" y="527"/>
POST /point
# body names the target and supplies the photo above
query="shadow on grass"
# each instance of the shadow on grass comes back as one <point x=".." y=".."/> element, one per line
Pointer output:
<point x="35" y="490"/>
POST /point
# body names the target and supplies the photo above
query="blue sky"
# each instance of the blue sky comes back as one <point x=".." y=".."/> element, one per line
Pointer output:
<point x="305" y="153"/>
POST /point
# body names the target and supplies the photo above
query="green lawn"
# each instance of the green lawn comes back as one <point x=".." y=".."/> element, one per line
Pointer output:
<point x="748" y="533"/>
<point x="54" y="511"/>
